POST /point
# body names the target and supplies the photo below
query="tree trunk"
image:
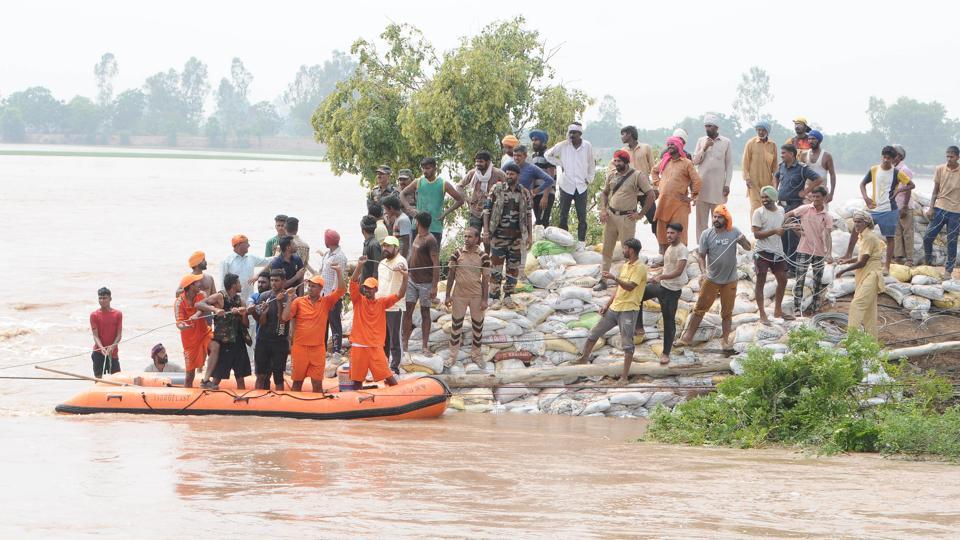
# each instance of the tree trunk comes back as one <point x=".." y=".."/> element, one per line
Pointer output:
<point x="923" y="350"/>
<point x="533" y="375"/>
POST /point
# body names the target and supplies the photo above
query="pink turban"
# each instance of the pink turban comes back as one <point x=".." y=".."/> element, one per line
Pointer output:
<point x="622" y="155"/>
<point x="331" y="237"/>
<point x="677" y="143"/>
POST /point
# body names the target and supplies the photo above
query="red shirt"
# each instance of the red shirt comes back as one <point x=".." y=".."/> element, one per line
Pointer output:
<point x="107" y="325"/>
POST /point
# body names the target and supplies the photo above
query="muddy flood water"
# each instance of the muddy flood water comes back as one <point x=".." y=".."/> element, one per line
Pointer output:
<point x="73" y="224"/>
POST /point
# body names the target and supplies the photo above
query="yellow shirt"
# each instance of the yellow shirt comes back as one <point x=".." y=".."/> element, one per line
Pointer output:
<point x="948" y="198"/>
<point x="760" y="160"/>
<point x="872" y="245"/>
<point x="630" y="300"/>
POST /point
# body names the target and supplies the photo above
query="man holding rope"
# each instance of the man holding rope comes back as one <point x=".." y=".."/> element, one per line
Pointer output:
<point x="106" y="324"/>
<point x="369" y="331"/>
<point x="195" y="334"/>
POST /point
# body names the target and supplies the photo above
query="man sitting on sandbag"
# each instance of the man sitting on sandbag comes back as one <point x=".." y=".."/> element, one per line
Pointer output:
<point x="624" y="306"/>
<point x="718" y="256"/>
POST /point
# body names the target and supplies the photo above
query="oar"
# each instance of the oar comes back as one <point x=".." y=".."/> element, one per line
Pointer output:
<point x="78" y="376"/>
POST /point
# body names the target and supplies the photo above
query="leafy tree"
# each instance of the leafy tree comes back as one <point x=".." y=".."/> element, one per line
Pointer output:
<point x="128" y="110"/>
<point x="753" y="94"/>
<point x="213" y="132"/>
<point x="194" y="88"/>
<point x="82" y="117"/>
<point x="605" y="131"/>
<point x="877" y="114"/>
<point x="407" y="103"/>
<point x="240" y="78"/>
<point x="311" y="85"/>
<point x="265" y="121"/>
<point x="557" y="107"/>
<point x="38" y="108"/>
<point x="105" y="71"/>
<point x="165" y="109"/>
<point x="12" y="125"/>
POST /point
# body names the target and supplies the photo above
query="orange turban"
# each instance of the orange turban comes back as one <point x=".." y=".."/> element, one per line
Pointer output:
<point x="238" y="239"/>
<point x="723" y="211"/>
<point x="371" y="283"/>
<point x="196" y="258"/>
<point x="189" y="279"/>
<point x="510" y="140"/>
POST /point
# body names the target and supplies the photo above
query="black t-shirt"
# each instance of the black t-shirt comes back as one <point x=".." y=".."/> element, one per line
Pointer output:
<point x="272" y="329"/>
<point x="372" y="251"/>
<point x="290" y="268"/>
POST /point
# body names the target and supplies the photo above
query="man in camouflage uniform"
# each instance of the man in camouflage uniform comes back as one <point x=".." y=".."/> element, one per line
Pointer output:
<point x="384" y="187"/>
<point x="507" y="225"/>
<point x="404" y="177"/>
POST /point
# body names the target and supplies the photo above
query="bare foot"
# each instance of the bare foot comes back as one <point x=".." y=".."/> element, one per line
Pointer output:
<point x="623" y="380"/>
<point x="664" y="359"/>
<point x="427" y="352"/>
<point x="765" y="321"/>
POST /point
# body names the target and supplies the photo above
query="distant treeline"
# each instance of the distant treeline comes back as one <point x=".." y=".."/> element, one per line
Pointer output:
<point x="172" y="103"/>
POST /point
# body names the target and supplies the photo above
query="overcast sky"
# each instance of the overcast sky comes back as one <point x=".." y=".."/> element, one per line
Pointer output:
<point x="661" y="61"/>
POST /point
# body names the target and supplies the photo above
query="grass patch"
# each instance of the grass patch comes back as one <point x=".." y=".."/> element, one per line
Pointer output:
<point x="814" y="398"/>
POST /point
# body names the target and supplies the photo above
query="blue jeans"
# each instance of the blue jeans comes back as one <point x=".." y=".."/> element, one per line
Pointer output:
<point x="952" y="221"/>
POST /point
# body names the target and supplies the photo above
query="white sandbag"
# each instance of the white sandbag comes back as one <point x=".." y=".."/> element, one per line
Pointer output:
<point x="584" y="282"/>
<point x="598" y="406"/>
<point x="503" y="314"/>
<point x="587" y="257"/>
<point x="411" y="363"/>
<point x="537" y="233"/>
<point x="655" y="260"/>
<point x="933" y="292"/>
<point x="543" y="278"/>
<point x="770" y="289"/>
<point x="537" y="313"/>
<point x="828" y="275"/>
<point x="742" y="306"/>
<point x="532" y="341"/>
<point x="631" y="399"/>
<point x="510" y="329"/>
<point x="651" y="318"/>
<point x="843" y="287"/>
<point x="921" y="279"/>
<point x="686" y="294"/>
<point x="559" y="236"/>
<point x="582" y="270"/>
<point x="560" y="260"/>
<point x="506" y="394"/>
<point x="584" y="295"/>
<point x="744" y="318"/>
<point x="917" y="303"/>
<point x="705" y="333"/>
<point x="840" y="241"/>
<point x="492" y="324"/>
<point x="570" y="304"/>
<point x="763" y="332"/>
<point x="897" y="295"/>
<point x="952" y="285"/>
<point x="745" y="334"/>
<point x="848" y="208"/>
<point x="693" y="269"/>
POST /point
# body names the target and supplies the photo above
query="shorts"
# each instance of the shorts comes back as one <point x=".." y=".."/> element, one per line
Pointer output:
<point x="764" y="261"/>
<point x="232" y="357"/>
<point x="887" y="221"/>
<point x="419" y="292"/>
<point x="708" y="295"/>
<point x="372" y="359"/>
<point x="98" y="364"/>
<point x="626" y="320"/>
<point x="307" y="361"/>
<point x="270" y="356"/>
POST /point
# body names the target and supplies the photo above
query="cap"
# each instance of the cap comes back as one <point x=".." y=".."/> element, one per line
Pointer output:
<point x="405" y="173"/>
<point x="385" y="169"/>
<point x="371" y="283"/>
<point x="196" y="258"/>
<point x="391" y="241"/>
<point x="317" y="280"/>
<point x="239" y="239"/>
<point x="189" y="279"/>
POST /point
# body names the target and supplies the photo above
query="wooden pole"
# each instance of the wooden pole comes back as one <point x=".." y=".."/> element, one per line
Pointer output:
<point x="535" y="375"/>
<point x="78" y="376"/>
<point x="922" y="350"/>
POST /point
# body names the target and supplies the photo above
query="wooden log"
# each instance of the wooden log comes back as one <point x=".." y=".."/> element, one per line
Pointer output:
<point x="923" y="350"/>
<point x="536" y="375"/>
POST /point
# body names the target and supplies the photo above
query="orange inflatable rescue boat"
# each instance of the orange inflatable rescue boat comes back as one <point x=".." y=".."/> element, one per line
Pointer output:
<point x="151" y="393"/>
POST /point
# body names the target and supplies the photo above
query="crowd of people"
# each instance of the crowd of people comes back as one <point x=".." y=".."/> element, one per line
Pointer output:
<point x="280" y="312"/>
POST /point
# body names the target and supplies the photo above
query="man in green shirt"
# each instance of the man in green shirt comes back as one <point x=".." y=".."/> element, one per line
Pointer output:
<point x="280" y="224"/>
<point x="430" y="190"/>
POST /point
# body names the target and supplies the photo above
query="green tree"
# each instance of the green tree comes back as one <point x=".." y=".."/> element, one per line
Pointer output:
<point x="753" y="94"/>
<point x="127" y="113"/>
<point x="407" y="103"/>
<point x="165" y="111"/>
<point x="12" y="125"/>
<point x="105" y="71"/>
<point x="213" y="132"/>
<point x="38" y="108"/>
<point x="82" y="117"/>
<point x="265" y="121"/>
<point x="311" y="85"/>
<point x="194" y="88"/>
<point x="605" y="131"/>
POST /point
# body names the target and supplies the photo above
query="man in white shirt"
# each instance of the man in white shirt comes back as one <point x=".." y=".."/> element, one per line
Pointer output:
<point x="714" y="160"/>
<point x="243" y="264"/>
<point x="331" y="261"/>
<point x="576" y="159"/>
<point x="390" y="281"/>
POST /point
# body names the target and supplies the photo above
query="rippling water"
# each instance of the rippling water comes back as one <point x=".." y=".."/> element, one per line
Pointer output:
<point x="72" y="224"/>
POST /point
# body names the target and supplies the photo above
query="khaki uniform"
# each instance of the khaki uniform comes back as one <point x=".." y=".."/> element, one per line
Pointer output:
<point x="619" y="204"/>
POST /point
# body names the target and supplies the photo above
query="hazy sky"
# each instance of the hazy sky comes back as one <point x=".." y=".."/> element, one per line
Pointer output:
<point x="661" y="61"/>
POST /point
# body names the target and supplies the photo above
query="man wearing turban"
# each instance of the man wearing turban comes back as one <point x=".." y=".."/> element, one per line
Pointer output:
<point x="509" y="142"/>
<point x="802" y="139"/>
<point x="820" y="161"/>
<point x="713" y="157"/>
<point x="618" y="206"/>
<point x="759" y="163"/>
<point x="679" y="184"/>
<point x="768" y="256"/>
<point x="198" y="263"/>
<point x="575" y="156"/>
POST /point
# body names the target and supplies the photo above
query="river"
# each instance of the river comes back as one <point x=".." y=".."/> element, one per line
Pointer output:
<point x="72" y="224"/>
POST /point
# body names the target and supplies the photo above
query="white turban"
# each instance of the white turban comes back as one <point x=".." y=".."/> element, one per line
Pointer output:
<point x="680" y="132"/>
<point x="711" y="120"/>
<point x="575" y="127"/>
